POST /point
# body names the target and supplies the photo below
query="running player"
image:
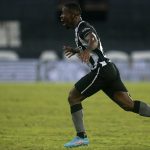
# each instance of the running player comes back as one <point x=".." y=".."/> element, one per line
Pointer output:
<point x="104" y="75"/>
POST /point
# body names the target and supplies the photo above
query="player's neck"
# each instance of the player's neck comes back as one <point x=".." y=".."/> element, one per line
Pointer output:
<point x="79" y="19"/>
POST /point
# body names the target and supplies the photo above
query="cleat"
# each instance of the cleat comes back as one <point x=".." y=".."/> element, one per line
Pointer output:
<point x="77" y="141"/>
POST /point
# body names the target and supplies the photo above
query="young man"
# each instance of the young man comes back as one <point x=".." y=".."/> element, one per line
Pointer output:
<point x="104" y="74"/>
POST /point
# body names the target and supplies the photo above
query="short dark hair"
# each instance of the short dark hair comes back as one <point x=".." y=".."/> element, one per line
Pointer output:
<point x="74" y="8"/>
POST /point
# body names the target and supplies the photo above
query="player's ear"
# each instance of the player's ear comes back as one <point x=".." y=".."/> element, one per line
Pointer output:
<point x="73" y="16"/>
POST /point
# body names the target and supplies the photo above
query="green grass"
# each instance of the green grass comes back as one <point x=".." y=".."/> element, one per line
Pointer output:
<point x="37" y="117"/>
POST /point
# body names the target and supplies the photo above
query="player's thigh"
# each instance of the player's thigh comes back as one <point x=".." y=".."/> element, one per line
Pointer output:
<point x="119" y="94"/>
<point x="90" y="84"/>
<point x="114" y="86"/>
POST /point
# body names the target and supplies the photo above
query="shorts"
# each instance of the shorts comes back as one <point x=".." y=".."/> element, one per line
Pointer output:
<point x="105" y="78"/>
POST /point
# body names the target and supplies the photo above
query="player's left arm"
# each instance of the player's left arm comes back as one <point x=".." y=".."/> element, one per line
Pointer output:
<point x="92" y="43"/>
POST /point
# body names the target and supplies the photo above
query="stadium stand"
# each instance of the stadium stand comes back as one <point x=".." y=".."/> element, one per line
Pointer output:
<point x="122" y="61"/>
<point x="48" y="55"/>
<point x="21" y="70"/>
<point x="8" y="55"/>
<point x="117" y="55"/>
<point x="50" y="68"/>
<point x="140" y="65"/>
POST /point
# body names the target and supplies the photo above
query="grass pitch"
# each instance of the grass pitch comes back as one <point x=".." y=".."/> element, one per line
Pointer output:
<point x="37" y="117"/>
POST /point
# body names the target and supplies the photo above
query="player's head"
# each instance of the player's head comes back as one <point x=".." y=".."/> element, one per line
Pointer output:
<point x="71" y="12"/>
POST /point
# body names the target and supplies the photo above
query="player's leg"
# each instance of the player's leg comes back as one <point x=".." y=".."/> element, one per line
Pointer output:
<point x="76" y="109"/>
<point x="115" y="89"/>
<point x="122" y="98"/>
<point x="119" y="94"/>
<point x="75" y="97"/>
<point x="128" y="104"/>
<point x="84" y="88"/>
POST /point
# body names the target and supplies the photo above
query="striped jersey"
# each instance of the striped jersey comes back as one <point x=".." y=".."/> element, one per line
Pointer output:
<point x="97" y="56"/>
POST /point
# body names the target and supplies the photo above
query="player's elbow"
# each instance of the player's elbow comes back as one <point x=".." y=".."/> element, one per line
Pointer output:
<point x="94" y="45"/>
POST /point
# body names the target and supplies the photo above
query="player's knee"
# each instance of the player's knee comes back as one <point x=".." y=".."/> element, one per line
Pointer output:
<point x="75" y="98"/>
<point x="71" y="98"/>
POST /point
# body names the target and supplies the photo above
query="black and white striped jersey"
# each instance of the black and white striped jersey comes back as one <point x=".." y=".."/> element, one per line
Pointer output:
<point x="97" y="55"/>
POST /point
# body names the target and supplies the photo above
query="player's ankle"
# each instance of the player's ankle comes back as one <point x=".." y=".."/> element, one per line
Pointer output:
<point x="136" y="106"/>
<point x="82" y="134"/>
<point x="141" y="108"/>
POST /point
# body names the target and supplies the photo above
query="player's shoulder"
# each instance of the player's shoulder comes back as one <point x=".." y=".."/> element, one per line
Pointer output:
<point x="84" y="25"/>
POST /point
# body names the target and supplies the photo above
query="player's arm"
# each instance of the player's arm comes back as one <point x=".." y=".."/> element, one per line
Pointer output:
<point x="69" y="51"/>
<point x="92" y="43"/>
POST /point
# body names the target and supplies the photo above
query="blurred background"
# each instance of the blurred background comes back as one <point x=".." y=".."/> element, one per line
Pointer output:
<point x="31" y="39"/>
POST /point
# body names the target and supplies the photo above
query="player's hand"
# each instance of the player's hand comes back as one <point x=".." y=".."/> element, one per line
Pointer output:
<point x="68" y="51"/>
<point x="84" y="56"/>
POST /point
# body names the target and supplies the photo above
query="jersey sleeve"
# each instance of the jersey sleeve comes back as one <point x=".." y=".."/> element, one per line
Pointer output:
<point x="84" y="29"/>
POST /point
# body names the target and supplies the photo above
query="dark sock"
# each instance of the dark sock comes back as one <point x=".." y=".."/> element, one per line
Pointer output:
<point x="136" y="106"/>
<point x="75" y="108"/>
<point x="82" y="135"/>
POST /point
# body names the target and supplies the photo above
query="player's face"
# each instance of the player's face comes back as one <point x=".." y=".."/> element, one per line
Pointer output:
<point x="67" y="18"/>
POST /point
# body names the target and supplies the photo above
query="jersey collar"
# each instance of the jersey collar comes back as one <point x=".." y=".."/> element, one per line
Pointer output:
<point x="81" y="21"/>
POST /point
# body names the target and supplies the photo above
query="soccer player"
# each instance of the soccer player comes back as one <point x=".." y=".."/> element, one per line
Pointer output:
<point x="104" y="75"/>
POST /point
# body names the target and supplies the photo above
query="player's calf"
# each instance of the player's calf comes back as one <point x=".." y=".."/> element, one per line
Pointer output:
<point x="124" y="100"/>
<point x="127" y="107"/>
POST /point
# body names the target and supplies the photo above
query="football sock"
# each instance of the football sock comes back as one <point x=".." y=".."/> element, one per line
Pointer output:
<point x="77" y="117"/>
<point x="142" y="108"/>
<point x="82" y="134"/>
